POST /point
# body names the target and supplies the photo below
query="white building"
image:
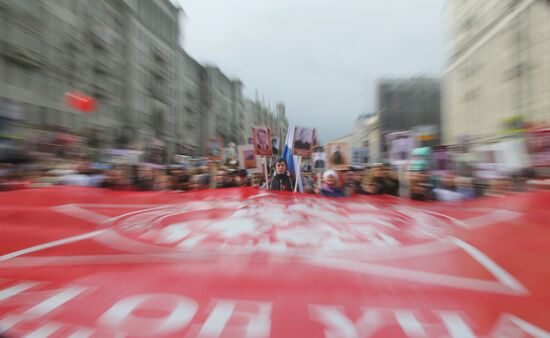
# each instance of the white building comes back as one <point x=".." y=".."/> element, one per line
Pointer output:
<point x="367" y="134"/>
<point x="498" y="67"/>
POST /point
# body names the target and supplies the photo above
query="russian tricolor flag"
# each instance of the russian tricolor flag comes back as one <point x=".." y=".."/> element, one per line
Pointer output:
<point x="292" y="160"/>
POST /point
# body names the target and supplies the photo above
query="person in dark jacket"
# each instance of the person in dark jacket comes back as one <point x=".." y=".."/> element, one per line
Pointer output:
<point x="144" y="180"/>
<point x="281" y="180"/>
<point x="421" y="188"/>
<point x="386" y="182"/>
<point x="330" y="187"/>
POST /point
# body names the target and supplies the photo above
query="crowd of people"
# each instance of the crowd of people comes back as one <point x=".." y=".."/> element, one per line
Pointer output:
<point x="56" y="157"/>
<point x="374" y="180"/>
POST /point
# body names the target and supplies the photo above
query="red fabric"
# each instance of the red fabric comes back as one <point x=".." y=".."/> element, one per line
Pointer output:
<point x="80" y="101"/>
<point x="250" y="263"/>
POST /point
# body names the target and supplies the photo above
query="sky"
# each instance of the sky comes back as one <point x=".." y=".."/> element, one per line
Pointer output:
<point x="320" y="57"/>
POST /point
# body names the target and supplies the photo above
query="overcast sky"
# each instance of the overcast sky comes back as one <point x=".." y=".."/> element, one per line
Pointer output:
<point x="320" y="57"/>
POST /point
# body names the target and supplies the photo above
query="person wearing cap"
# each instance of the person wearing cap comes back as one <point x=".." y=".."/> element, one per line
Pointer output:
<point x="330" y="186"/>
<point x="281" y="180"/>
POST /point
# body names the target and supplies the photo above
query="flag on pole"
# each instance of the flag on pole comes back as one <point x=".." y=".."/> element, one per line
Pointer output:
<point x="80" y="101"/>
<point x="291" y="160"/>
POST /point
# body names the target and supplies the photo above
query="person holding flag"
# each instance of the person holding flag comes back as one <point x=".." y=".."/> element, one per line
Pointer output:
<point x="292" y="162"/>
<point x="281" y="180"/>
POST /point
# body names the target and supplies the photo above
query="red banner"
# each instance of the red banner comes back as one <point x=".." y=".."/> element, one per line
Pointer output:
<point x="80" y="101"/>
<point x="79" y="262"/>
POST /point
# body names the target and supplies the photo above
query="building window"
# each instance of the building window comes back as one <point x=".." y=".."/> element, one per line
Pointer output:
<point x="3" y="73"/>
<point x="44" y="120"/>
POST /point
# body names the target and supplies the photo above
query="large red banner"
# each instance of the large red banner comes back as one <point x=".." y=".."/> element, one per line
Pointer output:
<point x="79" y="262"/>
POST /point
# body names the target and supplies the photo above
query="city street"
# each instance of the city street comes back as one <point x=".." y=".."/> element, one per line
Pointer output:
<point x="274" y="169"/>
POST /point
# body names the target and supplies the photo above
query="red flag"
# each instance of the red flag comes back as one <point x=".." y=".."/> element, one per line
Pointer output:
<point x="80" y="101"/>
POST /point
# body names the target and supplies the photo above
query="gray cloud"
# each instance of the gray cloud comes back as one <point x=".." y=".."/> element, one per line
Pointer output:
<point x="319" y="57"/>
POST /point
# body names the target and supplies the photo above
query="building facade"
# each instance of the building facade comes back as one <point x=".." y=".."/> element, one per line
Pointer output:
<point x="409" y="104"/>
<point x="126" y="55"/>
<point x="367" y="134"/>
<point x="223" y="107"/>
<point x="189" y="105"/>
<point x="361" y="131"/>
<point x="498" y="66"/>
<point x="347" y="139"/>
<point x="52" y="47"/>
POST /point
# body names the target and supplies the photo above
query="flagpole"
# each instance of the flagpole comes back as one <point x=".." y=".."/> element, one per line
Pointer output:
<point x="298" y="173"/>
<point x="265" y="172"/>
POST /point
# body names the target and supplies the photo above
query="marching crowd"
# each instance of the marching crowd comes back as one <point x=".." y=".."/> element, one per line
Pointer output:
<point x="373" y="180"/>
<point x="60" y="158"/>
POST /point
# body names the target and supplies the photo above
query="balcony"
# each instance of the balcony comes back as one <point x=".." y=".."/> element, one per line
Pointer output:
<point x="159" y="66"/>
<point x="159" y="69"/>
<point x="101" y="93"/>
<point x="98" y="36"/>
<point x="159" y="92"/>
<point x="103" y="65"/>
<point x="24" y="13"/>
<point x="22" y="47"/>
<point x="106" y="88"/>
